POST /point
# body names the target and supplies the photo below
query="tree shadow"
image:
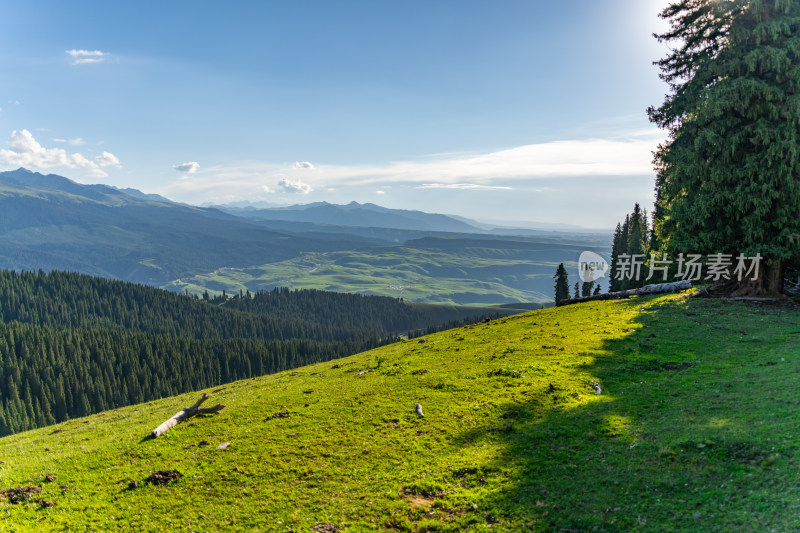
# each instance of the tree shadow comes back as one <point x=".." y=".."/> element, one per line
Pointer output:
<point x="683" y="437"/>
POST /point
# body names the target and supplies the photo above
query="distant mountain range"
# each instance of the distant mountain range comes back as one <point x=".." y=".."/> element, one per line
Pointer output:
<point x="49" y="222"/>
<point x="355" y="214"/>
<point x="369" y="215"/>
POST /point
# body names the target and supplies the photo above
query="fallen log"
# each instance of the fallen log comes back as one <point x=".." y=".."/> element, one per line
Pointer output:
<point x="647" y="289"/>
<point x="183" y="414"/>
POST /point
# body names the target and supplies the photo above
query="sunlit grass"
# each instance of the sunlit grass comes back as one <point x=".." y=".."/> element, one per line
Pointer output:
<point x="696" y="430"/>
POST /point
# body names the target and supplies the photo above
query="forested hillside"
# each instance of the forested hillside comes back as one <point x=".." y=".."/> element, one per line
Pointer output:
<point x="71" y="344"/>
<point x="375" y="313"/>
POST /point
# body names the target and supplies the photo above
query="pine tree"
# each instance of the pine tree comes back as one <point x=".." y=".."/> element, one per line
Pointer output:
<point x="577" y="289"/>
<point x="617" y="248"/>
<point x="631" y="238"/>
<point x="562" y="283"/>
<point x="728" y="178"/>
<point x="586" y="288"/>
<point x="637" y="242"/>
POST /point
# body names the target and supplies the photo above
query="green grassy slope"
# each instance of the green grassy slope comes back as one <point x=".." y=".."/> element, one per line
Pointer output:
<point x="454" y="271"/>
<point x="696" y="430"/>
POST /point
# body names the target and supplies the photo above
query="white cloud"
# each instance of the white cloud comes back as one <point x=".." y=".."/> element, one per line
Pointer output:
<point x="623" y="155"/>
<point x="294" y="186"/>
<point x="569" y="158"/>
<point x="380" y="192"/>
<point x="303" y="164"/>
<point x="106" y="159"/>
<point x="190" y="168"/>
<point x="82" y="57"/>
<point x="25" y="151"/>
<point x="74" y="142"/>
<point x="467" y="186"/>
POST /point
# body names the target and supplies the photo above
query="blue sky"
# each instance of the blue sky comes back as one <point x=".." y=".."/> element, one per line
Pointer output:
<point x="504" y="110"/>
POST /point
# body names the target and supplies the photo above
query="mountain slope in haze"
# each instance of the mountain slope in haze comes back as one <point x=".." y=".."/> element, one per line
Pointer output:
<point x="50" y="222"/>
<point x="694" y="431"/>
<point x="355" y="214"/>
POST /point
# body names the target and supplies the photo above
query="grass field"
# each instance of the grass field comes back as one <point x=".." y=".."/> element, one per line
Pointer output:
<point x="696" y="429"/>
<point x="457" y="271"/>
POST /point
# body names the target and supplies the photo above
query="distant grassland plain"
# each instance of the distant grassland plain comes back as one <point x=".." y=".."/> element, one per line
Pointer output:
<point x="429" y="270"/>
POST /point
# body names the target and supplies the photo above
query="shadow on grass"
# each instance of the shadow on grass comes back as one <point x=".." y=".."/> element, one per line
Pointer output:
<point x="693" y="431"/>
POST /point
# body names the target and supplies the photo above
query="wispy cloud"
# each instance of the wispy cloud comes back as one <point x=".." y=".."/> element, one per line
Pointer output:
<point x="190" y="168"/>
<point x="83" y="57"/>
<point x="74" y="142"/>
<point x="294" y="186"/>
<point x="624" y="155"/>
<point x="23" y="150"/>
<point x="465" y="186"/>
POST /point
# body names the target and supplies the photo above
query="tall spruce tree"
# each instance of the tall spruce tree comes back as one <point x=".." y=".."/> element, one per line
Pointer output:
<point x="586" y="288"/>
<point x="617" y="248"/>
<point x="638" y="242"/>
<point x="728" y="178"/>
<point x="631" y="238"/>
<point x="562" y="283"/>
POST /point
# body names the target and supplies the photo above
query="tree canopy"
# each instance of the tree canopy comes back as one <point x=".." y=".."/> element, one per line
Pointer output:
<point x="728" y="178"/>
<point x="562" y="283"/>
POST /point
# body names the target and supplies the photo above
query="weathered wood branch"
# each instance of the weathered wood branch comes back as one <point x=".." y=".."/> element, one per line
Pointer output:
<point x="647" y="289"/>
<point x="183" y="414"/>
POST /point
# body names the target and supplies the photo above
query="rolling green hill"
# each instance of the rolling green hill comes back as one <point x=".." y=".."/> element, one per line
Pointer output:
<point x="695" y="430"/>
<point x="455" y="270"/>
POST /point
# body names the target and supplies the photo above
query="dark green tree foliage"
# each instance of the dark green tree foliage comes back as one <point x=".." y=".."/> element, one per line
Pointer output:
<point x="72" y="373"/>
<point x="72" y="345"/>
<point x="631" y="238"/>
<point x="616" y="247"/>
<point x="562" y="283"/>
<point x="586" y="288"/>
<point x="377" y="314"/>
<point x="728" y="178"/>
<point x="577" y="290"/>
<point x="637" y="233"/>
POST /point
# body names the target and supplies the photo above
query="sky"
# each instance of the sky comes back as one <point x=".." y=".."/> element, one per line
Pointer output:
<point x="499" y="110"/>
